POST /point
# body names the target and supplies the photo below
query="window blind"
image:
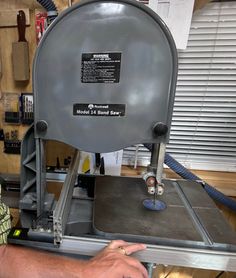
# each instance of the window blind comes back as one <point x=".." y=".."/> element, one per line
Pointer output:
<point x="203" y="131"/>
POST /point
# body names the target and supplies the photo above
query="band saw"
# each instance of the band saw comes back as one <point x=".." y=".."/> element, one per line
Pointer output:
<point x="104" y="78"/>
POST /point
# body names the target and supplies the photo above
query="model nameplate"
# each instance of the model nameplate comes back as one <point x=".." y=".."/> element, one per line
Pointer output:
<point x="100" y="67"/>
<point x="105" y="110"/>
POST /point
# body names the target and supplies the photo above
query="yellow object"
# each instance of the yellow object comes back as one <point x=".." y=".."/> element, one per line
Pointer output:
<point x="86" y="165"/>
<point x="17" y="233"/>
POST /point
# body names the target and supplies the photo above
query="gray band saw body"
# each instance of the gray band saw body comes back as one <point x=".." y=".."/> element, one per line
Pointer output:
<point x="104" y="74"/>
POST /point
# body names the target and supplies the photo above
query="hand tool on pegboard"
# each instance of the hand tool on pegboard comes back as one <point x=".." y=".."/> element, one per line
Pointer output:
<point x="20" y="51"/>
<point x="12" y="144"/>
<point x="41" y="25"/>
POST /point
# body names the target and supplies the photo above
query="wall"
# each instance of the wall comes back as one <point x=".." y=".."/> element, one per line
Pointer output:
<point x="10" y="163"/>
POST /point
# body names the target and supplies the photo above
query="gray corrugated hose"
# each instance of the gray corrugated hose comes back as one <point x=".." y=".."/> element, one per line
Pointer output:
<point x="50" y="7"/>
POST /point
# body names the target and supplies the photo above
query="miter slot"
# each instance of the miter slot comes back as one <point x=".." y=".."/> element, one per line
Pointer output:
<point x="196" y="221"/>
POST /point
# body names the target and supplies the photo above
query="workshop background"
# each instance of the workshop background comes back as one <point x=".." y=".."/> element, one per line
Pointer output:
<point x="201" y="45"/>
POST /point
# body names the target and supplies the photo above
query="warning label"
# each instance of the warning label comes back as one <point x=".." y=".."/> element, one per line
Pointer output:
<point x="100" y="67"/>
<point x="105" y="110"/>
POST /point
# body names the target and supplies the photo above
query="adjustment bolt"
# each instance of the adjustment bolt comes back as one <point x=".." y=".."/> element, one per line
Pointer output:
<point x="160" y="129"/>
<point x="41" y="126"/>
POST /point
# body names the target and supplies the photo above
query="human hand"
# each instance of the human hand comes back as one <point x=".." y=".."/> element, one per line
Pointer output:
<point x="114" y="262"/>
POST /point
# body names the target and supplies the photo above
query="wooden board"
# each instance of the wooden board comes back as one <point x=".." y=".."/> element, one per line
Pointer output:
<point x="183" y="272"/>
<point x="8" y="17"/>
<point x="11" y="163"/>
<point x="58" y="150"/>
<point x="199" y="4"/>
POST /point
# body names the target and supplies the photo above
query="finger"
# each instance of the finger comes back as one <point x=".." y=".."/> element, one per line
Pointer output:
<point x="134" y="248"/>
<point x="133" y="272"/>
<point x="121" y="250"/>
<point x="135" y="263"/>
<point x="114" y="244"/>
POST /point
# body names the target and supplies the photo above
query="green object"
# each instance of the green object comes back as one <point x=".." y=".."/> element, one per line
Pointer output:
<point x="17" y="233"/>
<point x="5" y="221"/>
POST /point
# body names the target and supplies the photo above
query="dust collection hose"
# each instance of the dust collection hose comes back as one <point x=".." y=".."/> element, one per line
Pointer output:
<point x="50" y="7"/>
<point x="186" y="174"/>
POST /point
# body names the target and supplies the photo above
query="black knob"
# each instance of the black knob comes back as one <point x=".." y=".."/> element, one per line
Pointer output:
<point x="41" y="126"/>
<point x="160" y="129"/>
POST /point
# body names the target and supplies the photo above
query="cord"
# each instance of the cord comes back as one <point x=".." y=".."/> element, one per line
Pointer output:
<point x="169" y="272"/>
<point x="220" y="274"/>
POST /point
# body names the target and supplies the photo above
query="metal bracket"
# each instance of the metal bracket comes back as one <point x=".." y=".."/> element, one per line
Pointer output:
<point x="160" y="162"/>
<point x="62" y="209"/>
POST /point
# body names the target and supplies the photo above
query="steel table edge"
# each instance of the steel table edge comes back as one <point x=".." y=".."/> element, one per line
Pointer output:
<point x="167" y="255"/>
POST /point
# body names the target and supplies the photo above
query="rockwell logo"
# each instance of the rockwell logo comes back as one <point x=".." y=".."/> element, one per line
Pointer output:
<point x="98" y="106"/>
